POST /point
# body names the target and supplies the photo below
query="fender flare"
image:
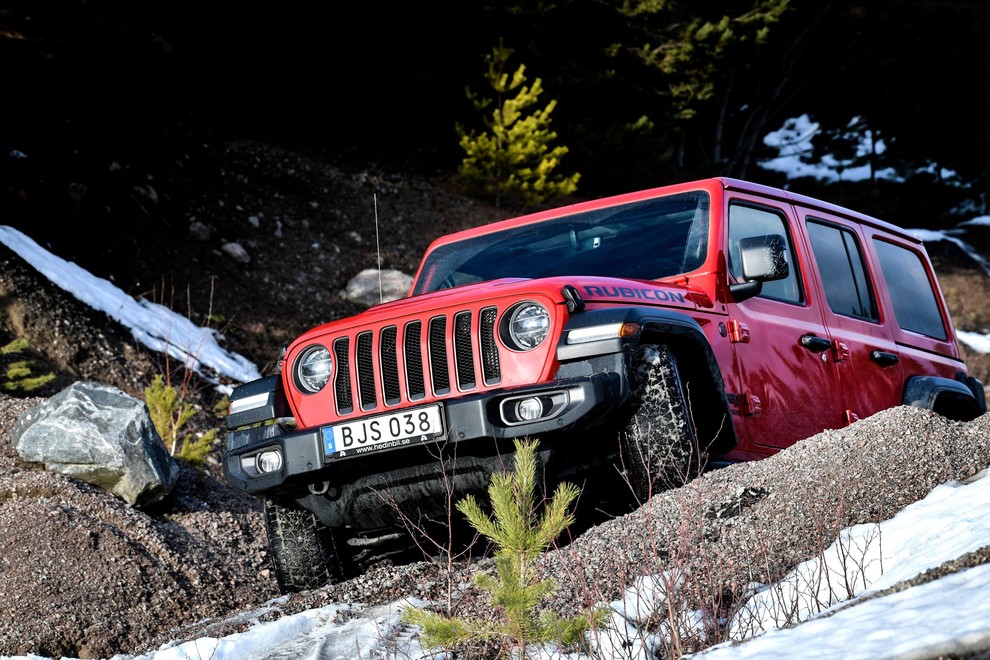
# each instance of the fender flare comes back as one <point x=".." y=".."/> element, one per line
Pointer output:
<point x="649" y="320"/>
<point x="962" y="400"/>
<point x="681" y="331"/>
<point x="267" y="401"/>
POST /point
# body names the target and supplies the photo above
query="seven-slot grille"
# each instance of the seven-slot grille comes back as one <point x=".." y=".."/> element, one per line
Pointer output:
<point x="379" y="366"/>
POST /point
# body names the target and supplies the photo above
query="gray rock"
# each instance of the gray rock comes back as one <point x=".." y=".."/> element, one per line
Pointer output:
<point x="199" y="231"/>
<point x="236" y="252"/>
<point x="101" y="435"/>
<point x="147" y="193"/>
<point x="364" y="287"/>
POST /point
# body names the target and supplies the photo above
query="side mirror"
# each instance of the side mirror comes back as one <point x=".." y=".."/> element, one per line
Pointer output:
<point x="762" y="259"/>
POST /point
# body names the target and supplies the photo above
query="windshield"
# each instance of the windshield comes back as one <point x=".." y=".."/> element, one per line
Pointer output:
<point x="643" y="240"/>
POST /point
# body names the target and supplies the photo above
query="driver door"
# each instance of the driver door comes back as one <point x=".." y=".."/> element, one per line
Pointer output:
<point x="779" y="337"/>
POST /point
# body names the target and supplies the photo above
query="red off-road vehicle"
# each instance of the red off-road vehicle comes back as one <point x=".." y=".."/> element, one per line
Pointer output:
<point x="640" y="338"/>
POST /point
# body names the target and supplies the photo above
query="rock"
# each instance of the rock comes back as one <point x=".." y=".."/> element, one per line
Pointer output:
<point x="146" y="192"/>
<point x="366" y="289"/>
<point x="236" y="252"/>
<point x="199" y="231"/>
<point x="101" y="435"/>
<point x="77" y="191"/>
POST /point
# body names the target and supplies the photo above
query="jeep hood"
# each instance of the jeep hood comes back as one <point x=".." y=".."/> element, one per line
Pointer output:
<point x="593" y="290"/>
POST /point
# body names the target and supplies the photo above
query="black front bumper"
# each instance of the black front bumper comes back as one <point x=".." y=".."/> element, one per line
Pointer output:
<point x="305" y="469"/>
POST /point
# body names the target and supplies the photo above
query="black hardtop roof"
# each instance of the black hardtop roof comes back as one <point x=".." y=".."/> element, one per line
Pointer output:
<point x="813" y="204"/>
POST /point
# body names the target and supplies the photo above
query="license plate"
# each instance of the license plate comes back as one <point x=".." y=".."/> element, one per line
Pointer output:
<point x="398" y="429"/>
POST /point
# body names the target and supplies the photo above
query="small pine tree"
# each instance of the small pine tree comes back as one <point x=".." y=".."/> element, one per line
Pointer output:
<point x="520" y="536"/>
<point x="516" y="153"/>
<point x="169" y="414"/>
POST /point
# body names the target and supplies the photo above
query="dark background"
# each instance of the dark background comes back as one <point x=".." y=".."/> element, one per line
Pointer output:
<point x="117" y="117"/>
<point x="86" y="83"/>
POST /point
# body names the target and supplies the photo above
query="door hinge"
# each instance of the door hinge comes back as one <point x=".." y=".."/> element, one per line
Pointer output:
<point x="750" y="405"/>
<point x="840" y="352"/>
<point x="851" y="417"/>
<point x="746" y="404"/>
<point x="738" y="332"/>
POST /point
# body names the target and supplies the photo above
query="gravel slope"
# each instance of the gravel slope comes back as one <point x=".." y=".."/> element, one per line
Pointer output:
<point x="753" y="522"/>
<point x="83" y="575"/>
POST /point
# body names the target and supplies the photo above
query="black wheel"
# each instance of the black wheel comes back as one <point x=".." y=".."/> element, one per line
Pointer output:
<point x="659" y="441"/>
<point x="306" y="552"/>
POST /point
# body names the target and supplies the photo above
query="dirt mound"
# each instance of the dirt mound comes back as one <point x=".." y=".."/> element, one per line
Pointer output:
<point x="91" y="577"/>
<point x="84" y="575"/>
<point x="755" y="521"/>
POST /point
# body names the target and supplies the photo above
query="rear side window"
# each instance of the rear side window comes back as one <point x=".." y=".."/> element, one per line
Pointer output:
<point x="840" y="263"/>
<point x="910" y="290"/>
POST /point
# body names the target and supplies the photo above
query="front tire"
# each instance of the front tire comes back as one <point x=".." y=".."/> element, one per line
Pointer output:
<point x="659" y="444"/>
<point x="306" y="552"/>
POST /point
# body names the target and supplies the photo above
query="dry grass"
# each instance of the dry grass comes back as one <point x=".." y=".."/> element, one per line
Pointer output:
<point x="966" y="292"/>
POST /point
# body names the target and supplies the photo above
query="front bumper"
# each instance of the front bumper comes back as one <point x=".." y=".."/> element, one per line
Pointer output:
<point x="587" y="402"/>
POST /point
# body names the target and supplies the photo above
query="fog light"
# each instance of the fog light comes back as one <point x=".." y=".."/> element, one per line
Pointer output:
<point x="529" y="409"/>
<point x="269" y="461"/>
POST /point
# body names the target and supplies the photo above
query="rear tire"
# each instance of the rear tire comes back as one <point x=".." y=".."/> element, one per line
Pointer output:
<point x="659" y="441"/>
<point x="306" y="552"/>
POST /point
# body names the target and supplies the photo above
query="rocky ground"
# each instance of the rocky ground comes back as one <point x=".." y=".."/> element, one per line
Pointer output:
<point x="83" y="575"/>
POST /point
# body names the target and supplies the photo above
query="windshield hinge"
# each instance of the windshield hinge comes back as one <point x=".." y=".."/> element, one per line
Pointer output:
<point x="573" y="299"/>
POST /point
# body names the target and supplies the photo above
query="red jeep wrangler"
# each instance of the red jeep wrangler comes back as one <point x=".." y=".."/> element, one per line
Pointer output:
<point x="640" y="338"/>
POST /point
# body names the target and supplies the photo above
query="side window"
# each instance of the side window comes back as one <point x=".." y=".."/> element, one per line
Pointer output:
<point x="747" y="221"/>
<point x="840" y="264"/>
<point x="910" y="290"/>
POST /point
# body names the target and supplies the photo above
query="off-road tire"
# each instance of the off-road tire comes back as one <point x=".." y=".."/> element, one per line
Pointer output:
<point x="659" y="440"/>
<point x="306" y="552"/>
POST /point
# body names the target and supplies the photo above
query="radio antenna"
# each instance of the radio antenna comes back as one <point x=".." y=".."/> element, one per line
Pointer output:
<point x="378" y="248"/>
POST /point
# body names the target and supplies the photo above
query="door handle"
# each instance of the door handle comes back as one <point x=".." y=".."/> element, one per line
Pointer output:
<point x="883" y="358"/>
<point x="816" y="344"/>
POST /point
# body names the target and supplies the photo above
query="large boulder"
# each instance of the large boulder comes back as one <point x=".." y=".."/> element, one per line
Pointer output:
<point x="367" y="289"/>
<point x="101" y="435"/>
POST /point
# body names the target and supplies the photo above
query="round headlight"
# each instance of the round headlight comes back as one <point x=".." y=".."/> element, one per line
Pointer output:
<point x="529" y="325"/>
<point x="313" y="369"/>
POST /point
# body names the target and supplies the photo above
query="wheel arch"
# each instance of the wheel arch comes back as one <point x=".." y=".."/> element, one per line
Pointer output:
<point x="962" y="400"/>
<point x="693" y="352"/>
<point x="703" y="383"/>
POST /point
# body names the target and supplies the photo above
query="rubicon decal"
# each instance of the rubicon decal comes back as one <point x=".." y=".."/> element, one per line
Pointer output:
<point x="635" y="293"/>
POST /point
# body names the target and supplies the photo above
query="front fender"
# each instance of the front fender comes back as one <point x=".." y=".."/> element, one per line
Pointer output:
<point x="257" y="401"/>
<point x="658" y="326"/>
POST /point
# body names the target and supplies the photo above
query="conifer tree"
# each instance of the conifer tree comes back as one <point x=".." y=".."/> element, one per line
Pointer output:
<point x="516" y="154"/>
<point x="520" y="535"/>
<point x="706" y="56"/>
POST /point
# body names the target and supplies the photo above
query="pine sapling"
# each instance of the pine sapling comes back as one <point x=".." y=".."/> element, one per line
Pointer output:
<point x="520" y="534"/>
<point x="169" y="413"/>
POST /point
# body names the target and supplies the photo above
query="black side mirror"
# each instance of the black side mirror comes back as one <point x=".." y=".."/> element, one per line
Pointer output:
<point x="762" y="259"/>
